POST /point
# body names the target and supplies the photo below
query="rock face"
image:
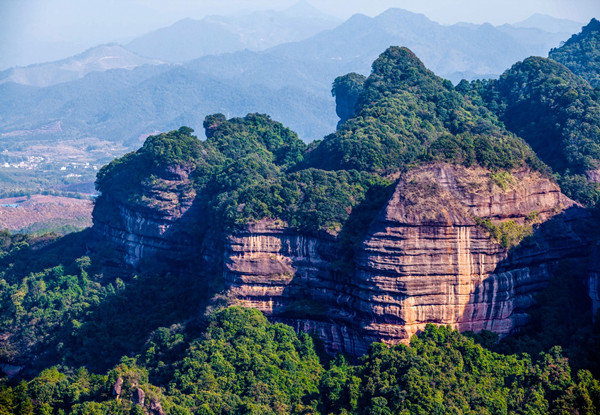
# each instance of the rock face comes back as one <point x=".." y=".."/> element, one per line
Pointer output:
<point x="426" y="260"/>
<point x="290" y="277"/>
<point x="154" y="227"/>
<point x="138" y="396"/>
<point x="593" y="281"/>
<point x="428" y="257"/>
<point x="346" y="90"/>
<point x="593" y="175"/>
<point x="156" y="408"/>
<point x="117" y="387"/>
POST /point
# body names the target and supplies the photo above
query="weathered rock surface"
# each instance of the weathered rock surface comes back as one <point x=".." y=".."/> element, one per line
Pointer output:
<point x="289" y="277"/>
<point x="138" y="396"/>
<point x="424" y="259"/>
<point x="156" y="408"/>
<point x="593" y="281"/>
<point x="152" y="226"/>
<point x="593" y="175"/>
<point x="117" y="387"/>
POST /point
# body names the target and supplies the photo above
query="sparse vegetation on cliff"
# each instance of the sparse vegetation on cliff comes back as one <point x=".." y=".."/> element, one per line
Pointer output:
<point x="507" y="233"/>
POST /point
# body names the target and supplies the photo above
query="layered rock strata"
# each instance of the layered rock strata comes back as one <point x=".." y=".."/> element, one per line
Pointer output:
<point x="428" y="256"/>
<point x="150" y="225"/>
<point x="289" y="277"/>
<point x="426" y="259"/>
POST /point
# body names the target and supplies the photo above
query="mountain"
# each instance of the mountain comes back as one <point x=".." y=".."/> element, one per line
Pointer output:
<point x="343" y="237"/>
<point x="581" y="53"/>
<point x="539" y="33"/>
<point x="190" y="39"/>
<point x="549" y="24"/>
<point x="98" y="59"/>
<point x="120" y="106"/>
<point x="557" y="107"/>
<point x="556" y="111"/>
<point x="264" y="29"/>
<point x="537" y="41"/>
<point x="185" y="40"/>
<point x="454" y="52"/>
<point x="408" y="127"/>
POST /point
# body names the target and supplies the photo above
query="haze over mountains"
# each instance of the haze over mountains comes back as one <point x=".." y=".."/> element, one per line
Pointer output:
<point x="279" y="63"/>
<point x="220" y="34"/>
<point x="190" y="39"/>
<point x="99" y="59"/>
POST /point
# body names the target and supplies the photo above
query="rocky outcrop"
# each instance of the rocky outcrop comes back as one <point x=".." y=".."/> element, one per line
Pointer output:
<point x="593" y="175"/>
<point x="152" y="223"/>
<point x="428" y="257"/>
<point x="138" y="396"/>
<point x="289" y="277"/>
<point x="117" y="387"/>
<point x="426" y="260"/>
<point x="346" y="89"/>
<point x="156" y="408"/>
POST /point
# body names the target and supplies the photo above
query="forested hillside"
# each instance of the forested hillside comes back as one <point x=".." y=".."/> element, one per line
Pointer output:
<point x="243" y="364"/>
<point x="554" y="109"/>
<point x="580" y="53"/>
<point x="405" y="114"/>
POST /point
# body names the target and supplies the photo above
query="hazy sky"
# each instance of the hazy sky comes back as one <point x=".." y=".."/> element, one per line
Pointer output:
<point x="39" y="30"/>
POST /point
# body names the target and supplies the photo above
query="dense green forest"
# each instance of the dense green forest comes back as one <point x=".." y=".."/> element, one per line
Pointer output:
<point x="405" y="115"/>
<point x="107" y="339"/>
<point x="549" y="102"/>
<point x="245" y="365"/>
<point x="581" y="53"/>
<point x="246" y="170"/>
<point x="558" y="114"/>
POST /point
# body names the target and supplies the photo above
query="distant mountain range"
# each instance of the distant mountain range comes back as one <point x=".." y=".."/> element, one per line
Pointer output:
<point x="98" y="59"/>
<point x="190" y="39"/>
<point x="549" y="24"/>
<point x="114" y="94"/>
<point x="453" y="52"/>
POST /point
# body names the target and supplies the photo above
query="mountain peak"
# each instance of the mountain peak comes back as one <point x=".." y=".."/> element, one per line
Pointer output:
<point x="397" y="59"/>
<point x="549" y="23"/>
<point x="580" y="53"/>
<point x="592" y="26"/>
<point x="304" y="9"/>
<point x="403" y="16"/>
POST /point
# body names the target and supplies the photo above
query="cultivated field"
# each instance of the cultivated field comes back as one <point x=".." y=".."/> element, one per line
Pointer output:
<point x="42" y="213"/>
